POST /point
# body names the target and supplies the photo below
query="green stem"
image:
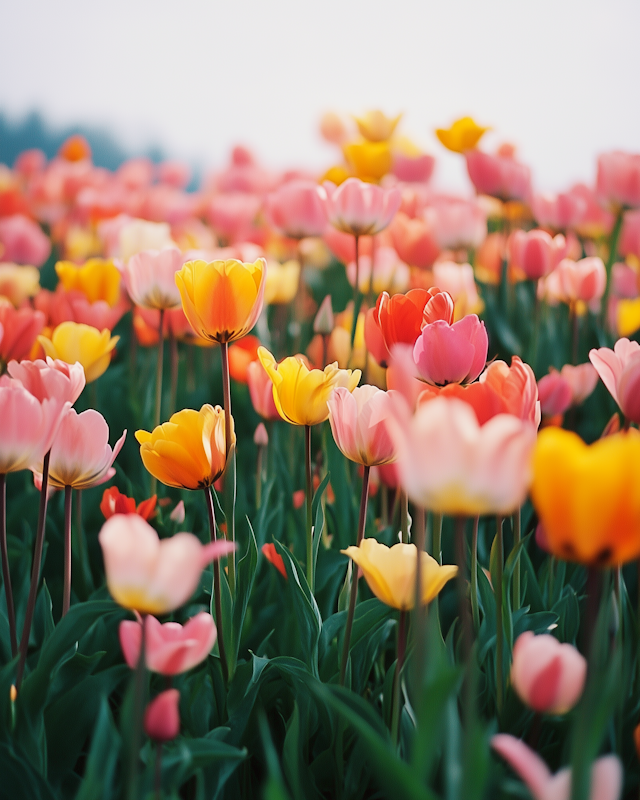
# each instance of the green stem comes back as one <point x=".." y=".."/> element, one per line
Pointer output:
<point x="81" y="576"/>
<point x="6" y="575"/>
<point x="497" y="590"/>
<point x="158" y="772"/>
<point x="397" y="708"/>
<point x="138" y="713"/>
<point x="309" y="493"/>
<point x="463" y="609"/>
<point x="230" y="472"/>
<point x="259" y="475"/>
<point x="66" y="594"/>
<point x="419" y="608"/>
<point x="475" y="607"/>
<point x="217" y="600"/>
<point x="517" y="537"/>
<point x="436" y="551"/>
<point x="173" y="351"/>
<point x="159" y="365"/>
<point x="613" y="254"/>
<point x="404" y="517"/>
<point x="362" y="520"/>
<point x="356" y="293"/>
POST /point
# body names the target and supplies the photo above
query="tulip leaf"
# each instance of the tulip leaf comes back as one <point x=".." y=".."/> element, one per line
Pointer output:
<point x="100" y="770"/>
<point x="19" y="780"/>
<point x="246" y="573"/>
<point x="317" y="514"/>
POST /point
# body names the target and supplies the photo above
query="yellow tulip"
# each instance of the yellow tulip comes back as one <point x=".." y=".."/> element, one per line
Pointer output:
<point x="73" y="341"/>
<point x="17" y="282"/>
<point x="628" y="313"/>
<point x="463" y="135"/>
<point x="588" y="497"/>
<point x="336" y="174"/>
<point x="369" y="160"/>
<point x="97" y="279"/>
<point x="222" y="299"/>
<point x="375" y="126"/>
<point x="188" y="452"/>
<point x="282" y="282"/>
<point x="300" y="393"/>
<point x="390" y="572"/>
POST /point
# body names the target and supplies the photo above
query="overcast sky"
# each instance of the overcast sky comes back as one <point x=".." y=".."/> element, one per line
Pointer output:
<point x="559" y="78"/>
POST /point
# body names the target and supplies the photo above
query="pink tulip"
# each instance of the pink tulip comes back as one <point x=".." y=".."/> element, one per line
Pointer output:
<point x="414" y="241"/>
<point x="618" y="179"/>
<point x="150" y="575"/>
<point x="233" y="215"/>
<point x="459" y="281"/>
<point x="21" y="328"/>
<point x="563" y="211"/>
<point x="162" y="716"/>
<point x="606" y="772"/>
<point x="174" y="173"/>
<point x="27" y="425"/>
<point x="178" y="514"/>
<point x="343" y="245"/>
<point x="536" y="253"/>
<point x="555" y="394"/>
<point x="243" y="174"/>
<point x="455" y="353"/>
<point x="24" y="241"/>
<point x="374" y="340"/>
<point x="630" y="235"/>
<point x="30" y="163"/>
<point x="584" y="280"/>
<point x="358" y="423"/>
<point x="546" y="675"/>
<point x="62" y="306"/>
<point x="498" y="175"/>
<point x="261" y="391"/>
<point x="413" y="169"/>
<point x="80" y="453"/>
<point x="582" y="379"/>
<point x="360" y="208"/>
<point x="297" y="209"/>
<point x="452" y="465"/>
<point x="517" y="387"/>
<point x="456" y="222"/>
<point x="390" y="273"/>
<point x="50" y="378"/>
<point x="149" y="278"/>
<point x="619" y="370"/>
<point x="170" y="648"/>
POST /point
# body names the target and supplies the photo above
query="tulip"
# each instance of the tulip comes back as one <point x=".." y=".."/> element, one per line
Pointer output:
<point x="414" y="240"/>
<point x="241" y="354"/>
<point x="49" y="379"/>
<point x="343" y="245"/>
<point x="369" y="161"/>
<point x="281" y="285"/>
<point x="358" y="424"/>
<point x="584" y="280"/>
<point x="390" y="572"/>
<point x="75" y="148"/>
<point x="360" y="208"/>
<point x="375" y="340"/>
<point x="382" y="271"/>
<point x="606" y="772"/>
<point x="170" y="649"/>
<point x="261" y="391"/>
<point x="271" y="554"/>
<point x="464" y="134"/>
<point x="188" y="452"/>
<point x="114" y="502"/>
<point x="619" y="370"/>
<point x="20" y="327"/>
<point x="375" y="126"/>
<point x="401" y="317"/>
<point x="97" y="279"/>
<point x="332" y="128"/>
<point x="478" y="469"/>
<point x="456" y="222"/>
<point x="548" y="676"/>
<point x="74" y="342"/>
<point x="582" y="379"/>
<point x="23" y="241"/>
<point x="618" y="179"/>
<point x="586" y="496"/>
<point x="136" y="235"/>
<point x="222" y="299"/>
<point x="63" y="306"/>
<point x="18" y="283"/>
<point x="150" y="575"/>
<point x="233" y="214"/>
<point x="162" y="716"/>
<point x="297" y="209"/>
<point x="412" y="167"/>
<point x="536" y="253"/>
<point x="554" y="393"/>
<point x="517" y="386"/>
<point x="146" y="326"/>
<point x="457" y="353"/>
<point x="498" y="175"/>
<point x="458" y="280"/>
<point x="149" y="278"/>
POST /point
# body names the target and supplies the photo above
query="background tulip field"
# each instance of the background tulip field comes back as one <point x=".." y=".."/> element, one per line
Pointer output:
<point x="319" y="485"/>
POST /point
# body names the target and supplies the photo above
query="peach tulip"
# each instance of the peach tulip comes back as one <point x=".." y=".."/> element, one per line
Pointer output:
<point x="536" y="253"/>
<point x="23" y="241"/>
<point x="18" y="283"/>
<point x="149" y="278"/>
<point x="619" y="370"/>
<point x="584" y="280"/>
<point x="606" y="772"/>
<point x="358" y="424"/>
<point x="618" y="179"/>
<point x="517" y="386"/>
<point x="457" y="353"/>
<point x="548" y="676"/>
<point x="162" y="716"/>
<point x="170" y="649"/>
<point x="150" y="575"/>
<point x="414" y="240"/>
<point x="498" y="175"/>
<point x="21" y="327"/>
<point x="261" y="391"/>
<point x="50" y="378"/>
<point x="360" y="208"/>
<point x="452" y="465"/>
<point x="297" y="209"/>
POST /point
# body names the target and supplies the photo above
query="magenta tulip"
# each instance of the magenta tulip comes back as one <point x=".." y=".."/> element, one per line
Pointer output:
<point x="455" y="353"/>
<point x="619" y="370"/>
<point x="498" y="175"/>
<point x="358" y="423"/>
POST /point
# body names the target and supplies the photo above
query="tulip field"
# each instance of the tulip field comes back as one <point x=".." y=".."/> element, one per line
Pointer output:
<point x="319" y="485"/>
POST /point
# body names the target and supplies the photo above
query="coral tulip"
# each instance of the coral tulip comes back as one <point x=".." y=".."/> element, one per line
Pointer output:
<point x="401" y="317"/>
<point x="588" y="497"/>
<point x="47" y="379"/>
<point x="189" y="451"/>
<point x="271" y="554"/>
<point x="536" y="253"/>
<point x="261" y="391"/>
<point x="464" y="134"/>
<point x="548" y="676"/>
<point x="162" y="716"/>
<point x="150" y="575"/>
<point x="297" y="209"/>
<point x="358" y="424"/>
<point x="499" y="175"/>
<point x="390" y="572"/>
<point x="619" y="370"/>
<point x="18" y="283"/>
<point x="97" y="279"/>
<point x="457" y="353"/>
<point x="149" y="278"/>
<point x="23" y="241"/>
<point x="73" y="341"/>
<point x="300" y="393"/>
<point x="222" y="299"/>
<point x="241" y="354"/>
<point x="360" y="208"/>
<point x="618" y="179"/>
<point x="114" y="502"/>
<point x="414" y="240"/>
<point x="584" y="280"/>
<point x="170" y="649"/>
<point x="21" y="327"/>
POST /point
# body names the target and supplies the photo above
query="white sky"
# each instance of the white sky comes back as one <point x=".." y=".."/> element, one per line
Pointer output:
<point x="559" y="78"/>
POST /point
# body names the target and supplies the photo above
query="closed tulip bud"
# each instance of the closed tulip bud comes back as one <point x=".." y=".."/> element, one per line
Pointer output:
<point x="162" y="716"/>
<point x="23" y="241"/>
<point x="618" y="179"/>
<point x="282" y="282"/>
<point x="619" y="370"/>
<point x="20" y="327"/>
<point x="324" y="321"/>
<point x="584" y="280"/>
<point x="517" y="386"/>
<point x="555" y="394"/>
<point x="261" y="391"/>
<point x="72" y="341"/>
<point x="178" y="513"/>
<point x="498" y="175"/>
<point x="536" y="253"/>
<point x="261" y="437"/>
<point x="414" y="240"/>
<point x="370" y="161"/>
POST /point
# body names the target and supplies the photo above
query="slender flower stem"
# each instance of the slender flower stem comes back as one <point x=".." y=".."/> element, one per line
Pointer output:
<point x="475" y="609"/>
<point x="66" y="593"/>
<point x="402" y="642"/>
<point x="216" y="587"/>
<point x="309" y="492"/>
<point x="158" y="772"/>
<point x="173" y="351"/>
<point x="230" y="472"/>
<point x="354" y="579"/>
<point x="138" y="713"/>
<point x="436" y="537"/>
<point x="613" y="254"/>
<point x="575" y="332"/>
<point x="373" y="260"/>
<point x="79" y="546"/>
<point x="158" y="409"/>
<point x="35" y="571"/>
<point x="259" y="475"/>
<point x="404" y="517"/>
<point x="517" y="537"/>
<point x="6" y="575"/>
<point x="463" y="610"/>
<point x="533" y="346"/>
<point x="356" y="293"/>
<point x="419" y="534"/>
<point x="497" y="590"/>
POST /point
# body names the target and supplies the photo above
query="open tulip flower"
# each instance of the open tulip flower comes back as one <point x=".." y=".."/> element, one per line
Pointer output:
<point x="97" y="279"/>
<point x="358" y="424"/>
<point x="464" y="134"/>
<point x="457" y="353"/>
<point x="149" y="278"/>
<point x="72" y="341"/>
<point x="359" y="208"/>
<point x="50" y="378"/>
<point x="588" y="496"/>
<point x="619" y="370"/>
<point x="376" y="126"/>
<point x="390" y="572"/>
<point x="20" y="329"/>
<point x="150" y="575"/>
<point x="401" y="317"/>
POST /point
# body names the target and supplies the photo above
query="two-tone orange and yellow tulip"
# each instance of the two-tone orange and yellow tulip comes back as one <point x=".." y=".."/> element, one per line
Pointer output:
<point x="97" y="279"/>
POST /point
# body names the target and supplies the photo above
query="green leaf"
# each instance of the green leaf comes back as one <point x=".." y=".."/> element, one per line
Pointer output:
<point x="100" y="770"/>
<point x="245" y="577"/>
<point x="19" y="779"/>
<point x="317" y="514"/>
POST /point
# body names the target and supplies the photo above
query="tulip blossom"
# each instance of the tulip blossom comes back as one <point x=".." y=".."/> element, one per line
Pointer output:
<point x="414" y="240"/>
<point x="21" y="327"/>
<point x="300" y="393"/>
<point x="618" y="179"/>
<point x="72" y="306"/>
<point x="619" y="370"/>
<point x="554" y="393"/>
<point x="370" y="161"/>
<point x="390" y="572"/>
<point x="23" y="241"/>
<point x="401" y="317"/>
<point x="281" y="285"/>
<point x="536" y="253"/>
<point x="584" y="280"/>
<point x="97" y="279"/>
<point x="459" y="281"/>
<point x="477" y="470"/>
<point x="360" y="208"/>
<point x="241" y="354"/>
<point x="587" y="497"/>
<point x="152" y="575"/>
<point x="517" y="387"/>
<point x="261" y="391"/>
<point x="390" y="274"/>
<point x="456" y="222"/>
<point x="72" y="341"/>
<point x="170" y="649"/>
<point x="49" y="379"/>
<point x="376" y="126"/>
<point x="222" y="299"/>
<point x="18" y="283"/>
<point x="297" y="209"/>
<point x="499" y="175"/>
<point x="464" y="134"/>
<point x="233" y="214"/>
<point x="548" y="676"/>
<point x="412" y="167"/>
<point x="149" y="278"/>
<point x="457" y="353"/>
<point x="162" y="716"/>
<point x="131" y="236"/>
<point x="358" y="424"/>
<point x="189" y="451"/>
<point x="114" y="502"/>
<point x="146" y="326"/>
<point x="606" y="772"/>
<point x="271" y="554"/>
